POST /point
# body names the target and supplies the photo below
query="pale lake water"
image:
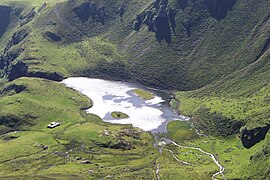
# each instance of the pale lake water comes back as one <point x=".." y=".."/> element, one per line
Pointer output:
<point x="108" y="96"/>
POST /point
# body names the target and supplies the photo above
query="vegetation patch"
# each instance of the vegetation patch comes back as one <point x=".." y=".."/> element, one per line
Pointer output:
<point x="119" y="115"/>
<point x="181" y="130"/>
<point x="215" y="123"/>
<point x="146" y="95"/>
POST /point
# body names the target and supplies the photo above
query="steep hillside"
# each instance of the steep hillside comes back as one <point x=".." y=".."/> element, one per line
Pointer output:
<point x="212" y="40"/>
<point x="5" y="18"/>
<point x="239" y="99"/>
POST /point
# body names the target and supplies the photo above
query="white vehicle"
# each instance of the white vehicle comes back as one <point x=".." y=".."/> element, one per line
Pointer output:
<point x="53" y="125"/>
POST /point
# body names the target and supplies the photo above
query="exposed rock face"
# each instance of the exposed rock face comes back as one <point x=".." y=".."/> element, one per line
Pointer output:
<point x="251" y="137"/>
<point x="7" y="61"/>
<point x="183" y="3"/>
<point x="52" y="36"/>
<point x="20" y="69"/>
<point x="83" y="11"/>
<point x="51" y="76"/>
<point x="10" y="68"/>
<point x="4" y="19"/>
<point x="2" y="63"/>
<point x="219" y="8"/>
<point x="15" y="88"/>
<point x="9" y="121"/>
<point x="26" y="19"/>
<point x="122" y="144"/>
<point x="162" y="27"/>
<point x="17" y="38"/>
<point x="90" y="9"/>
<point x="265" y="48"/>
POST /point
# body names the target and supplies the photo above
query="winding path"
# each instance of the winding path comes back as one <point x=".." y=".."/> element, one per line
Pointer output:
<point x="157" y="171"/>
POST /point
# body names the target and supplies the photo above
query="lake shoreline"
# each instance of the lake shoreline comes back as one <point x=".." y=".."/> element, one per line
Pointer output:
<point x="109" y="96"/>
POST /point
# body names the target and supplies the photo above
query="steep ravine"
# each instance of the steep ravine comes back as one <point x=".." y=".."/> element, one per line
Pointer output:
<point x="219" y="8"/>
<point x="5" y="12"/>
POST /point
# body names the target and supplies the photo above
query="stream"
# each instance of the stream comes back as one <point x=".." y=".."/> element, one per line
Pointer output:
<point x="221" y="168"/>
<point x="150" y="115"/>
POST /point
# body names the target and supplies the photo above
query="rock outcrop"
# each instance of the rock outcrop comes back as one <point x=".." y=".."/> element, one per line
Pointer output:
<point x="265" y="47"/>
<point x="251" y="137"/>
<point x="122" y="144"/>
<point x="7" y="61"/>
<point x="18" y="70"/>
<point x="5" y="13"/>
<point x="83" y="11"/>
<point x="219" y="8"/>
<point x="27" y="18"/>
<point x="162" y="26"/>
<point x="47" y="75"/>
<point x="14" y="88"/>
<point x="90" y="9"/>
<point x="9" y="121"/>
<point x="52" y="36"/>
<point x="17" y="38"/>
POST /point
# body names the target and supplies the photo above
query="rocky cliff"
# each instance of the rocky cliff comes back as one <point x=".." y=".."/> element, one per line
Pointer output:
<point x="5" y="12"/>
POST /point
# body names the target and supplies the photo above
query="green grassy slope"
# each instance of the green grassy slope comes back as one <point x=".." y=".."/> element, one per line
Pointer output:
<point x="35" y="151"/>
<point x="43" y="56"/>
<point x="240" y="98"/>
<point x="189" y="62"/>
<point x="40" y="103"/>
<point x="36" y="3"/>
